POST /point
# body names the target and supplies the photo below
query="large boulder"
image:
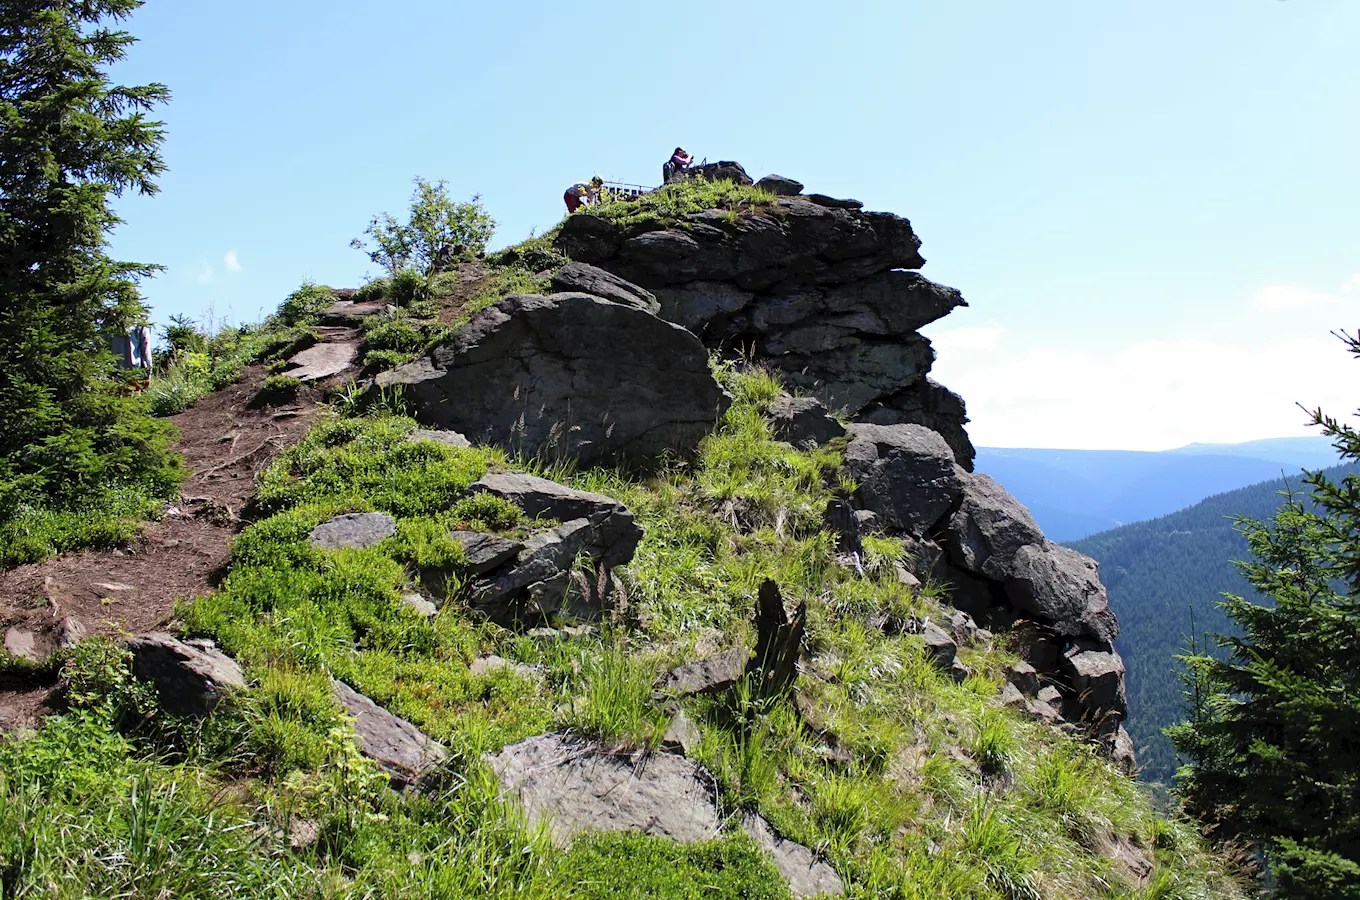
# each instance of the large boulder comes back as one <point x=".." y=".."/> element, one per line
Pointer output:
<point x="929" y="403"/>
<point x="906" y="474"/>
<point x="987" y="529"/>
<point x="190" y="678"/>
<point x="1095" y="673"/>
<point x="1061" y="588"/>
<point x="567" y="376"/>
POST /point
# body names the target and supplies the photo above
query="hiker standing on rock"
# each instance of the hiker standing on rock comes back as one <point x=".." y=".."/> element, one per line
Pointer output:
<point x="676" y="166"/>
<point x="587" y="193"/>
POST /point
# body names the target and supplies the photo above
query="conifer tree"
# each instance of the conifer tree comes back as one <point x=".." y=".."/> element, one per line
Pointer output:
<point x="1273" y="739"/>
<point x="69" y="140"/>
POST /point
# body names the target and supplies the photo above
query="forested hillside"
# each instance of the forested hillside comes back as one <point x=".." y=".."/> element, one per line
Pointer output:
<point x="1076" y="493"/>
<point x="1158" y="573"/>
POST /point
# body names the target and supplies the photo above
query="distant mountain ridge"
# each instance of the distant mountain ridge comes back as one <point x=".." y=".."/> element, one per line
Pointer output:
<point x="1075" y="493"/>
<point x="1158" y="573"/>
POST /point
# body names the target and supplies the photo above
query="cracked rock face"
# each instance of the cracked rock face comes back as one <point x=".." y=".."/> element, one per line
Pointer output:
<point x="906" y="474"/>
<point x="815" y="287"/>
<point x="568" y="376"/>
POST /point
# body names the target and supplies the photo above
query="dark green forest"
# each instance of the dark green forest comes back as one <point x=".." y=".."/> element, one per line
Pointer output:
<point x="1161" y="572"/>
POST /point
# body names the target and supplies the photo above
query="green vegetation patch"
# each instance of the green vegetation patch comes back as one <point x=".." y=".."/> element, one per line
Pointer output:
<point x="911" y="784"/>
<point x="672" y="203"/>
<point x="642" y="867"/>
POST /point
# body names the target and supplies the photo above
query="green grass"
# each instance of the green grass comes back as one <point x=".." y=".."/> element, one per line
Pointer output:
<point x="641" y="867"/>
<point x="912" y="785"/>
<point x="669" y="205"/>
<point x="111" y="518"/>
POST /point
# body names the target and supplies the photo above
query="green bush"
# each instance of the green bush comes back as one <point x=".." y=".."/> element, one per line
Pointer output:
<point x="304" y="304"/>
<point x="437" y="234"/>
<point x="377" y="289"/>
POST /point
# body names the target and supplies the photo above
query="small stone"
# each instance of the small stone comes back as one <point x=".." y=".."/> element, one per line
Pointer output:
<point x="111" y="587"/>
<point x="439" y="436"/>
<point x="70" y="632"/>
<point x="419" y="604"/>
<point x="682" y="735"/>
<point x="939" y="645"/>
<point x="20" y="643"/>
<point x="1011" y="696"/>
<point x="1049" y="694"/>
<point x="1024" y="677"/>
<point x="190" y="680"/>
<point x="905" y="577"/>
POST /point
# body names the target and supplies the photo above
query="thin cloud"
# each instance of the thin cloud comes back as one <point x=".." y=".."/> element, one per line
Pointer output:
<point x="205" y="273"/>
<point x="231" y="262"/>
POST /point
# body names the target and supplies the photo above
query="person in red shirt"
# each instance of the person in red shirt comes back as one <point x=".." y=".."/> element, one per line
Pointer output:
<point x="584" y="193"/>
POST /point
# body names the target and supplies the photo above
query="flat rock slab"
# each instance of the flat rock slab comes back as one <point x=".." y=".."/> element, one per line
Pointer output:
<point x="577" y="787"/>
<point x="354" y="531"/>
<point x="401" y="749"/>
<point x="323" y="360"/>
<point x="485" y="552"/>
<point x="190" y="679"/>
<point x="804" y="873"/>
<point x="347" y="312"/>
<point x="706" y="676"/>
<point x="23" y="644"/>
<point x="448" y="438"/>
<point x="588" y="279"/>
<point x="614" y="532"/>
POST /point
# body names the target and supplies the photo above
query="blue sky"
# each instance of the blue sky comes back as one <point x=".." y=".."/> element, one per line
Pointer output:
<point x="1150" y="206"/>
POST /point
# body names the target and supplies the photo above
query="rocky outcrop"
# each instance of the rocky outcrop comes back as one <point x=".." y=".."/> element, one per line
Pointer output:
<point x="190" y="677"/>
<point x="529" y="581"/>
<point x="567" y="376"/>
<point x="965" y="531"/>
<point x="814" y="286"/>
<point x="906" y="475"/>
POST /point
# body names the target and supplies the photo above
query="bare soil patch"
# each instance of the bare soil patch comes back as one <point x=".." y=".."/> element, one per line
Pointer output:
<point x="226" y="439"/>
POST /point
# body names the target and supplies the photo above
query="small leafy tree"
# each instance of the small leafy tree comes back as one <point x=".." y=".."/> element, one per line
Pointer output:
<point x="1273" y="739"/>
<point x="68" y="140"/>
<point x="438" y="232"/>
